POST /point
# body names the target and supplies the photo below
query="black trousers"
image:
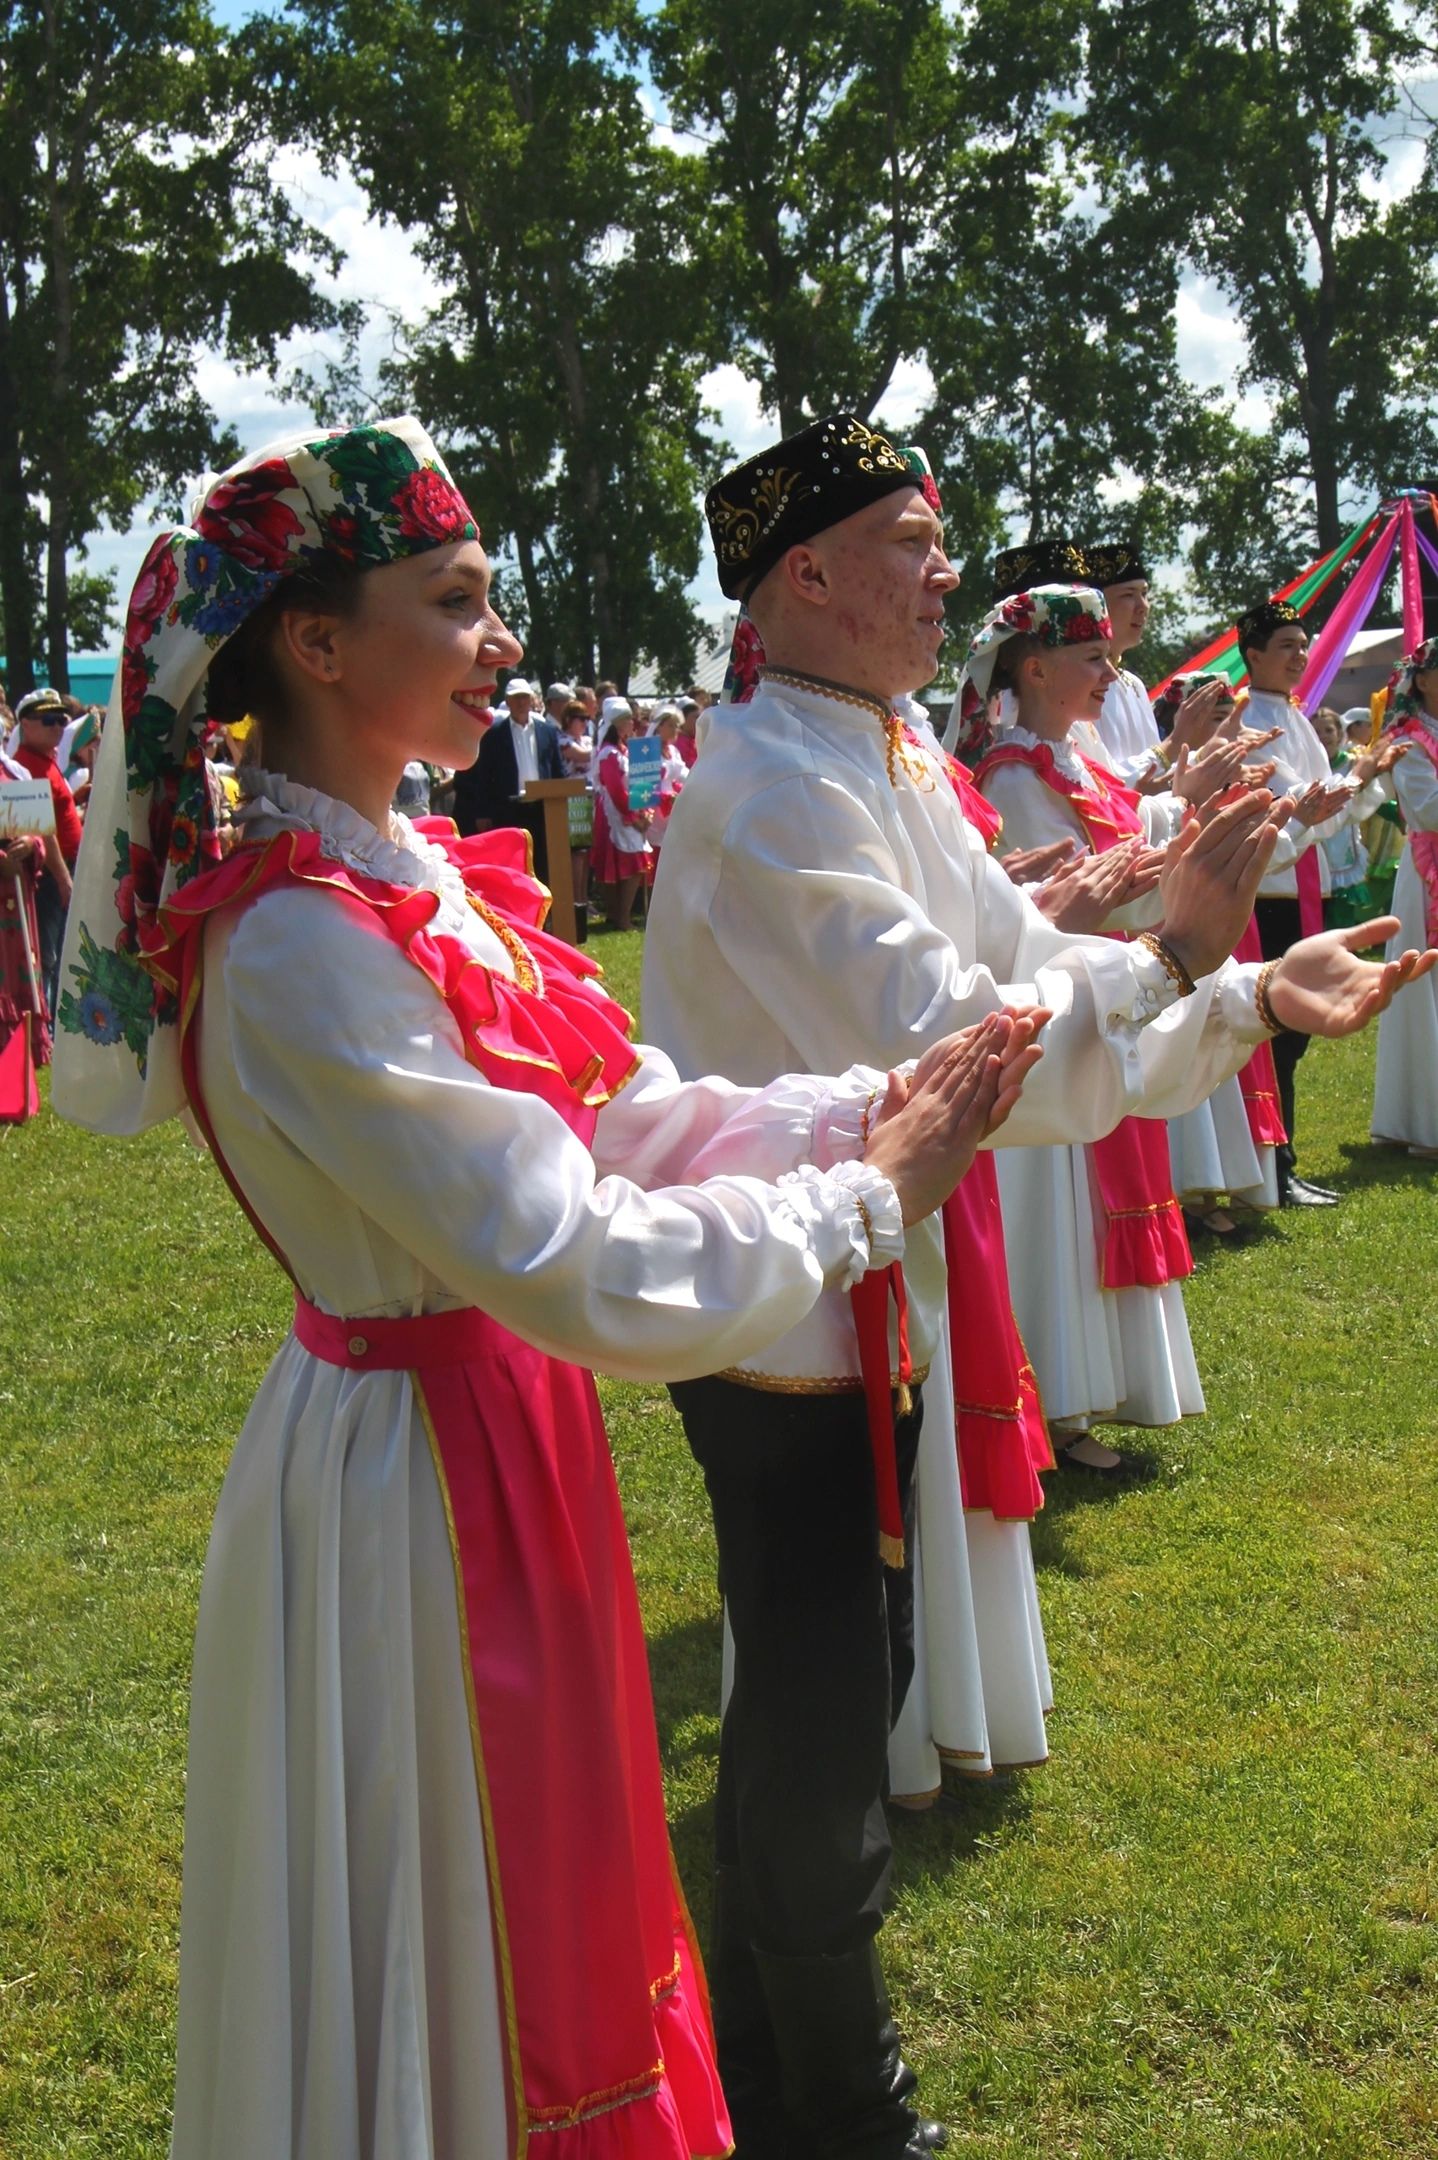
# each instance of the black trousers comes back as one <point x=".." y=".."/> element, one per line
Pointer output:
<point x="823" y="1656"/>
<point x="1278" y="928"/>
<point x="50" y="914"/>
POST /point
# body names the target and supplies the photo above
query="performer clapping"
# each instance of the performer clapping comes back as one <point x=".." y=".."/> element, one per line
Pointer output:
<point x="428" y="1900"/>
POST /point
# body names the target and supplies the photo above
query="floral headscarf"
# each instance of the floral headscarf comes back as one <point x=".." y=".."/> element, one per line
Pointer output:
<point x="1402" y="693"/>
<point x="1056" y="614"/>
<point x="368" y="495"/>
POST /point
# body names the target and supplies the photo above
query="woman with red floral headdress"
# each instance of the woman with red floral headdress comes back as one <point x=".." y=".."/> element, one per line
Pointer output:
<point x="429" y="1908"/>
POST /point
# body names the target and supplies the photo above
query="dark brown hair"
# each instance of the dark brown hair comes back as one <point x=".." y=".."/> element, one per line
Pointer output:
<point x="1010" y="658"/>
<point x="245" y="676"/>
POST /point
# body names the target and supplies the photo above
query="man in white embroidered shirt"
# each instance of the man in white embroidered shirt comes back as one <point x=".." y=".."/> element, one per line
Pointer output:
<point x="821" y="900"/>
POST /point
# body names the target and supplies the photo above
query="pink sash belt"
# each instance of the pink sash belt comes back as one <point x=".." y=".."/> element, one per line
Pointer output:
<point x="440" y="1338"/>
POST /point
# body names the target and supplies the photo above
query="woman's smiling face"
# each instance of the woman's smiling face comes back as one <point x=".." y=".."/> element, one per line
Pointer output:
<point x="419" y="658"/>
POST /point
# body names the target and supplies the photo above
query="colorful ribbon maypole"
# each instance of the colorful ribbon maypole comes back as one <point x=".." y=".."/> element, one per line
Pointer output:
<point x="1223" y="657"/>
<point x="1330" y="648"/>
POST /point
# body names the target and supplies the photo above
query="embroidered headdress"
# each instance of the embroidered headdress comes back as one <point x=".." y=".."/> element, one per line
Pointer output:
<point x="1114" y="563"/>
<point x="1039" y="562"/>
<point x="799" y="487"/>
<point x="1404" y="702"/>
<point x="1055" y="614"/>
<point x="1263" y="620"/>
<point x="367" y="495"/>
<point x="747" y="657"/>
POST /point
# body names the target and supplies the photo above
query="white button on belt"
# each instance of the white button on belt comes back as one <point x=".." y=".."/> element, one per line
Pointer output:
<point x="358" y="1345"/>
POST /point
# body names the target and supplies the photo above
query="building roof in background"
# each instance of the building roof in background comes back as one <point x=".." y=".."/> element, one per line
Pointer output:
<point x="709" y="665"/>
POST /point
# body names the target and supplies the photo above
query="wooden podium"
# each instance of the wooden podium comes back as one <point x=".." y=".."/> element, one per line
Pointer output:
<point x="553" y="798"/>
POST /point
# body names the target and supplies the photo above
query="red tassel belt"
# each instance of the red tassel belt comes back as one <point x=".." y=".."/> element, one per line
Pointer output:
<point x="869" y="1299"/>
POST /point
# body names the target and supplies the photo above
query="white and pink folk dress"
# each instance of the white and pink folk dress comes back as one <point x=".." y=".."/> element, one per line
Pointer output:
<point x="429" y="1907"/>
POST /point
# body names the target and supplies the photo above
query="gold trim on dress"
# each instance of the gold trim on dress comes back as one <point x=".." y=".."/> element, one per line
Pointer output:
<point x="812" y="1383"/>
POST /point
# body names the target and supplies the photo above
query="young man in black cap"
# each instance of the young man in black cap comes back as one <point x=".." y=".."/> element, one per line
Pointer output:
<point x="1126" y="725"/>
<point x="1274" y="645"/>
<point x="819" y="888"/>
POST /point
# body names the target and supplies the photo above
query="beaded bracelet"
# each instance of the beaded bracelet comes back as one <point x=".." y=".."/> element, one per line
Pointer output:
<point x="1169" y="961"/>
<point x="1264" y="1002"/>
<point x="866" y="1115"/>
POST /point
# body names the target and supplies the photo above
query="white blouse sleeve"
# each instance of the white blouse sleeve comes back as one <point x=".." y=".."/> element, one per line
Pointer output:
<point x="661" y="1129"/>
<point x="811" y="908"/>
<point x="1415" y="782"/>
<point x="353" y="1060"/>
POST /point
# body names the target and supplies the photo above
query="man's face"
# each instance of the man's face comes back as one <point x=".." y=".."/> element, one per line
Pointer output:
<point x="42" y="730"/>
<point x="1279" y="666"/>
<point x="885" y="576"/>
<point x="521" y="707"/>
<point x="1128" y="611"/>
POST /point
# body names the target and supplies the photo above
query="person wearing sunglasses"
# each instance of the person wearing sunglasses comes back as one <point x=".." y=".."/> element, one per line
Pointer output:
<point x="42" y="719"/>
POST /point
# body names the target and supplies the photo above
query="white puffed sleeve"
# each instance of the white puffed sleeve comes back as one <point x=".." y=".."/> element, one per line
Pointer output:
<point x="661" y="1128"/>
<point x="1415" y="783"/>
<point x="349" y="1064"/>
<point x="811" y="911"/>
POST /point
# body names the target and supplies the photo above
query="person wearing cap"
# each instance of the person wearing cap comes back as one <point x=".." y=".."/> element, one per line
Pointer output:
<point x="517" y="749"/>
<point x="686" y="741"/>
<point x="428" y="1904"/>
<point x="819" y="888"/>
<point x="24" y="1020"/>
<point x="41" y="719"/>
<point x="1274" y="646"/>
<point x="556" y="698"/>
<point x="620" y="856"/>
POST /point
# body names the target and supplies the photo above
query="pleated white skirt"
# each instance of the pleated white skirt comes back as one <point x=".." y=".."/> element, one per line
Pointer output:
<point x="1120" y="1354"/>
<point x="338" y="1996"/>
<point x="1405" y="1091"/>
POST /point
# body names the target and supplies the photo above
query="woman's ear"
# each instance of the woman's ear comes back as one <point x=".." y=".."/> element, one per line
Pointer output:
<point x="309" y="641"/>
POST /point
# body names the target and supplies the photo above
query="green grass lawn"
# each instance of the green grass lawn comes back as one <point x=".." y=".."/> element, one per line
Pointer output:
<point x="1208" y="1928"/>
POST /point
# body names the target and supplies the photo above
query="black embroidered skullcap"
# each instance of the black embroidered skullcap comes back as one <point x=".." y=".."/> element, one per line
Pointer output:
<point x="1042" y="562"/>
<point x="1263" y="620"/>
<point x="799" y="487"/>
<point x="1113" y="563"/>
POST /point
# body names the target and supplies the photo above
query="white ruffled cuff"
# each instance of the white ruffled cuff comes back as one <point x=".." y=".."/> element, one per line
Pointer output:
<point x="843" y="1116"/>
<point x="1238" y="1001"/>
<point x="853" y="1216"/>
<point x="1154" y="988"/>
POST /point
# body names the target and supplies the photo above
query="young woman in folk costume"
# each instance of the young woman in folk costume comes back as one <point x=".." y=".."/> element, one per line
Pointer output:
<point x="1405" y="1096"/>
<point x="1225" y="1147"/>
<point x="428" y="1902"/>
<point x="620" y="856"/>
<point x="1097" y="1245"/>
<point x="24" y="1021"/>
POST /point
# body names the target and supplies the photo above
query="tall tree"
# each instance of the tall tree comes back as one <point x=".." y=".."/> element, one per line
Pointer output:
<point x="823" y="131"/>
<point x="1249" y="134"/>
<point x="563" y="367"/>
<point x="139" y="223"/>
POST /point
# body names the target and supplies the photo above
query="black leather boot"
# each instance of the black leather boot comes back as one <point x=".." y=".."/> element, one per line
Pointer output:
<point x="748" y="2054"/>
<point x="844" y="2081"/>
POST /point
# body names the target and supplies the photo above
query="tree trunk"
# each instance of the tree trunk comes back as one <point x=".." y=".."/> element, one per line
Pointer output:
<point x="16" y="590"/>
<point x="57" y="593"/>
